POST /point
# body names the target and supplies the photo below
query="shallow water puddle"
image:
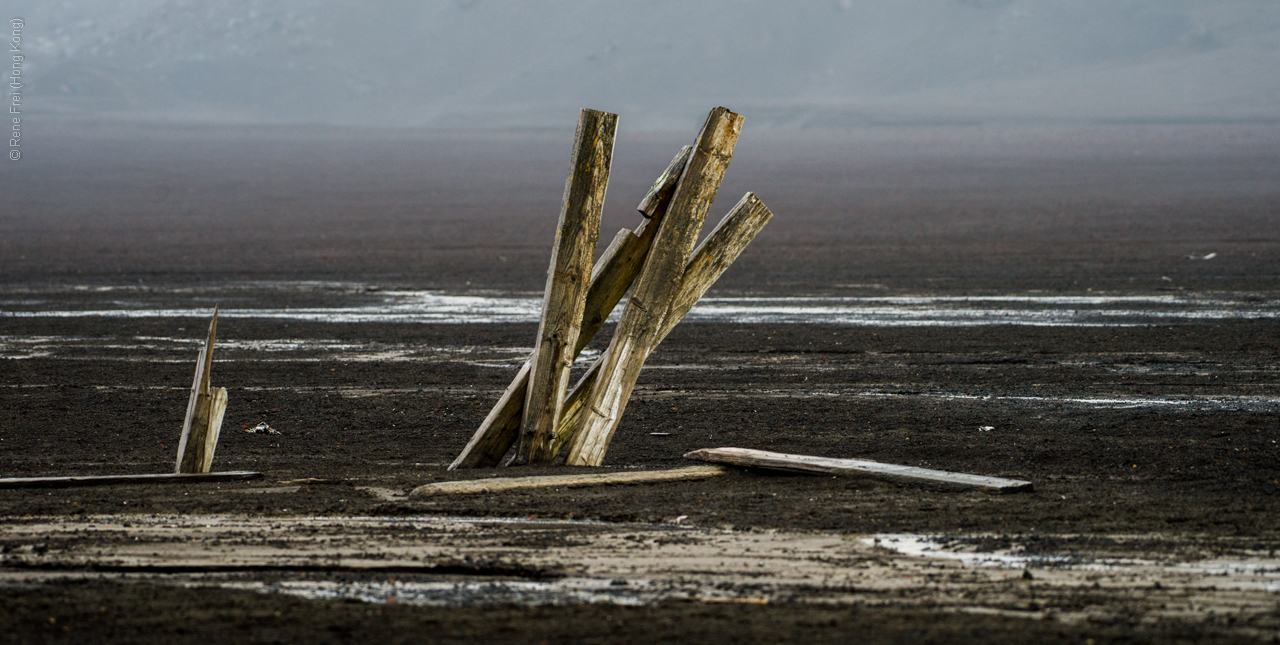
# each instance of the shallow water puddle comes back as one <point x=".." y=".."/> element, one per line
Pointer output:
<point x="363" y="305"/>
<point x="1260" y="573"/>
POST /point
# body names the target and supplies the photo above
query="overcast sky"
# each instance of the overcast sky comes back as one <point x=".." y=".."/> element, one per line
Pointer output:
<point x="661" y="64"/>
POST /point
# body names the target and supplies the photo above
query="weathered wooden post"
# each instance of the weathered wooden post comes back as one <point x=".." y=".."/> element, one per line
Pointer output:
<point x="655" y="288"/>
<point x="610" y="279"/>
<point x="567" y="281"/>
<point x="710" y="260"/>
<point x="204" y="413"/>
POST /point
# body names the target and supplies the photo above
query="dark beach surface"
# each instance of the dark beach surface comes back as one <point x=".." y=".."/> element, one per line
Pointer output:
<point x="1094" y="309"/>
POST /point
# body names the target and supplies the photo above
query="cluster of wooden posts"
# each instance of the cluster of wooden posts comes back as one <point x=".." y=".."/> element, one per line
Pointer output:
<point x="538" y="415"/>
<point x="538" y="419"/>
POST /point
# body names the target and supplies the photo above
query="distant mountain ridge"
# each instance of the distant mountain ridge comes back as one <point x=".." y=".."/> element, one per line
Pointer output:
<point x="466" y="63"/>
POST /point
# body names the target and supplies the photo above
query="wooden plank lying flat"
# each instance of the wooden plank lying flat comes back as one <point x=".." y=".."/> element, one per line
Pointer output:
<point x="107" y="480"/>
<point x="547" y="481"/>
<point x="828" y="465"/>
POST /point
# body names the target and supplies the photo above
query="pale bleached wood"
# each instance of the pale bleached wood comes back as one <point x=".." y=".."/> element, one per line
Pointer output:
<point x="499" y="484"/>
<point x="568" y="279"/>
<point x="205" y="409"/>
<point x="614" y="272"/>
<point x="106" y="480"/>
<point x="217" y="409"/>
<point x="655" y="287"/>
<point x="612" y="276"/>
<point x="710" y="260"/>
<point x="809" y="464"/>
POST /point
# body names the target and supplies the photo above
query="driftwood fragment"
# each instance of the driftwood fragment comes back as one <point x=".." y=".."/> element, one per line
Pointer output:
<point x="204" y="413"/>
<point x="568" y="279"/>
<point x="710" y="260"/>
<point x="107" y="480"/>
<point x="656" y="285"/>
<point x="809" y="464"/>
<point x="498" y="484"/>
<point x="613" y="274"/>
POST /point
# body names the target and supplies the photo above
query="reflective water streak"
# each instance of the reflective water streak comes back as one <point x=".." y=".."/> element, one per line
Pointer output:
<point x="364" y="306"/>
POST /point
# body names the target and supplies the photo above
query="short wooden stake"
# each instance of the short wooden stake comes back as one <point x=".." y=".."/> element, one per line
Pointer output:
<point x="657" y="284"/>
<point x="710" y="260"/>
<point x="204" y="413"/>
<point x="612" y="276"/>
<point x="568" y="279"/>
<point x="826" y="465"/>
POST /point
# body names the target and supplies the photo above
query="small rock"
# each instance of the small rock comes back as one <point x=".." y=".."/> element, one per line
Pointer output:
<point x="262" y="428"/>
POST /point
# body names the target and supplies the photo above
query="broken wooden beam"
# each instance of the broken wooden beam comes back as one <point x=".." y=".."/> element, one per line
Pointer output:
<point x="568" y="279"/>
<point x="710" y="260"/>
<point x="612" y="276"/>
<point x="748" y="458"/>
<point x="656" y="285"/>
<point x="498" y="484"/>
<point x="205" y="408"/>
<point x="106" y="480"/>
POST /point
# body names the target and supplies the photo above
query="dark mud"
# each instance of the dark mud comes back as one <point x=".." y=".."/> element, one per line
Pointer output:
<point x="1202" y="462"/>
<point x="101" y="613"/>
<point x="1165" y="431"/>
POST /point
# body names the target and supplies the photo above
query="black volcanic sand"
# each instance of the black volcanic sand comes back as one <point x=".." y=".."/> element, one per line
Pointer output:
<point x="1096" y="469"/>
<point x="1117" y="210"/>
<point x="99" y="612"/>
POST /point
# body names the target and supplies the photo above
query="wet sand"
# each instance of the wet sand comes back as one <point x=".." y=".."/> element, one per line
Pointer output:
<point x="1044" y="305"/>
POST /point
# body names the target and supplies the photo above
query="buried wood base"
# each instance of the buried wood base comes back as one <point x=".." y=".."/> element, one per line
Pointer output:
<point x="809" y="464"/>
<point x="498" y="484"/>
<point x="107" y="480"/>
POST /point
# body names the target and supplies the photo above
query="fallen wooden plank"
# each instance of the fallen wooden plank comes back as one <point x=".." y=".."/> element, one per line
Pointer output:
<point x="107" y="480"/>
<point x="613" y="274"/>
<point x="568" y="279"/>
<point x="205" y="409"/>
<point x="657" y="284"/>
<point x="498" y="484"/>
<point x="709" y="262"/>
<point x="827" y="465"/>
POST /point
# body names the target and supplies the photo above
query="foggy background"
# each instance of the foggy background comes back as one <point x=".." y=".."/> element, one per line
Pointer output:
<point x="660" y="64"/>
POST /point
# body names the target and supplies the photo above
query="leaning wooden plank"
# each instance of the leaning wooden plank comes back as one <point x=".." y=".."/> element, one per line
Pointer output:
<point x="107" y="480"/>
<point x="656" y="285"/>
<point x="827" y="465"/>
<point x="217" y="408"/>
<point x="568" y="279"/>
<point x="655" y="201"/>
<point x="710" y="260"/>
<point x="613" y="274"/>
<point x="495" y="485"/>
<point x="204" y="412"/>
<point x="610" y="280"/>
